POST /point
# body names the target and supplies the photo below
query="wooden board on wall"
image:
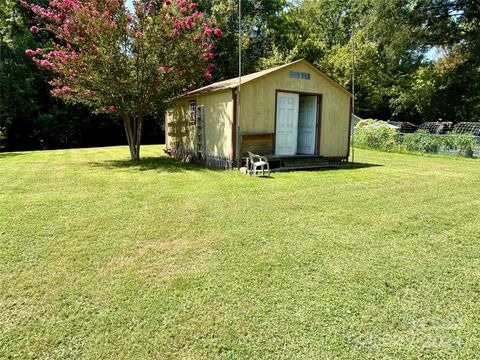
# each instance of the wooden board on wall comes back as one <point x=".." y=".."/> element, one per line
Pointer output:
<point x="261" y="144"/>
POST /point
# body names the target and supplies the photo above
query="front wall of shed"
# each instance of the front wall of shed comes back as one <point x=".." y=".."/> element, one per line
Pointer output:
<point x="258" y="106"/>
<point x="218" y="109"/>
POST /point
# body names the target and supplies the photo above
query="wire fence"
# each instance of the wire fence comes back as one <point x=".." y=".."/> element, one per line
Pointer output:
<point x="385" y="138"/>
<point x="446" y="144"/>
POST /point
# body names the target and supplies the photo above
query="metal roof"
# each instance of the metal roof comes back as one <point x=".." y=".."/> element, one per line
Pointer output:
<point x="233" y="83"/>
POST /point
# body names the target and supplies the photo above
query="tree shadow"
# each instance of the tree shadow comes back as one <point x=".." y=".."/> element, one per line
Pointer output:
<point x="162" y="163"/>
<point x="9" y="154"/>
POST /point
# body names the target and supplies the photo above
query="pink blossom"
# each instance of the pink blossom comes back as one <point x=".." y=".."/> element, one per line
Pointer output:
<point x="197" y="38"/>
<point x="166" y="69"/>
<point x="211" y="66"/>
<point x="34" y="29"/>
<point x="209" y="56"/>
<point x="46" y="64"/>
<point x="90" y="93"/>
<point x="193" y="5"/>
<point x="217" y="32"/>
<point x="139" y="34"/>
<point x="189" y="22"/>
<point x="30" y="52"/>
<point x="168" y="2"/>
<point x="39" y="51"/>
<point x="183" y="9"/>
<point x="60" y="91"/>
<point x="207" y="75"/>
<point x="112" y="108"/>
<point x="208" y="31"/>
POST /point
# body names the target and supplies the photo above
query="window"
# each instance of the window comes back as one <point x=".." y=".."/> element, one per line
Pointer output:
<point x="192" y="111"/>
<point x="299" y="75"/>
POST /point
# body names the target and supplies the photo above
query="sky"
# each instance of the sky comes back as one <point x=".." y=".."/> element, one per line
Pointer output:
<point x="129" y="4"/>
<point x="434" y="54"/>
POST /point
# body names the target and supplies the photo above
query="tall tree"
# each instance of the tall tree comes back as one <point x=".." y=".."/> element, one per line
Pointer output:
<point x="121" y="62"/>
<point x="260" y="23"/>
<point x="30" y="117"/>
<point x="388" y="43"/>
<point x="449" y="87"/>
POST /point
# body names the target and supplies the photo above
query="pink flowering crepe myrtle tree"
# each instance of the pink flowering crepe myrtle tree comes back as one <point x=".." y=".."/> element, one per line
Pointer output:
<point x="122" y="62"/>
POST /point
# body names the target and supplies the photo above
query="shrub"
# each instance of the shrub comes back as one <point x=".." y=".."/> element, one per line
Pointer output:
<point x="422" y="141"/>
<point x="413" y="142"/>
<point x="449" y="142"/>
<point x="465" y="143"/>
<point x="365" y="122"/>
<point x="379" y="137"/>
<point x="432" y="144"/>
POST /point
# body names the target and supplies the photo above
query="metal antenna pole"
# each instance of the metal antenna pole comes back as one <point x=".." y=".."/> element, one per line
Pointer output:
<point x="239" y="137"/>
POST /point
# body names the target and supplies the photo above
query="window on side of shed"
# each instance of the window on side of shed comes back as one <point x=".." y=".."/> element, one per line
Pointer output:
<point x="192" y="111"/>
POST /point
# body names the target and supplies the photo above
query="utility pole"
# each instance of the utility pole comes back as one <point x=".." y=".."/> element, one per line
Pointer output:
<point x="353" y="94"/>
<point x="239" y="136"/>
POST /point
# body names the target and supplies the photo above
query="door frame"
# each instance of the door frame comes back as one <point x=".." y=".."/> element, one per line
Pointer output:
<point x="319" y="117"/>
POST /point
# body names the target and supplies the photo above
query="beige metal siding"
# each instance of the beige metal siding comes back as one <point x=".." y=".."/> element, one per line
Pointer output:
<point x="258" y="106"/>
<point x="218" y="109"/>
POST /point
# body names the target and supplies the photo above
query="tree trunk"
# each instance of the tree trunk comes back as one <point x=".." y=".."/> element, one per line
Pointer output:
<point x="133" y="130"/>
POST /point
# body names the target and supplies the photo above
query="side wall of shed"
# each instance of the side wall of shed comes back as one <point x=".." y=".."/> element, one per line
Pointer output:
<point x="258" y="102"/>
<point x="218" y="112"/>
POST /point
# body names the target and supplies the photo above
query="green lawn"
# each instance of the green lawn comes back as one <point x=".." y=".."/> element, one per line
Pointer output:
<point x="101" y="259"/>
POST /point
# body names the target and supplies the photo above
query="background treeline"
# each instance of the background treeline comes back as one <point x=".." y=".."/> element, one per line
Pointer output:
<point x="414" y="60"/>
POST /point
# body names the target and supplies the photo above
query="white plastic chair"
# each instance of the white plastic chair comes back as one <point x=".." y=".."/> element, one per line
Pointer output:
<point x="257" y="161"/>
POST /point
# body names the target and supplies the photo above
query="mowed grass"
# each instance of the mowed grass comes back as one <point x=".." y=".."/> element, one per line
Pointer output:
<point x="100" y="259"/>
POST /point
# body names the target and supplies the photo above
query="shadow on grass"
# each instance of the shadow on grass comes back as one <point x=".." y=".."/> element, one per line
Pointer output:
<point x="265" y="177"/>
<point x="168" y="164"/>
<point x="162" y="163"/>
<point x="353" y="166"/>
<point x="9" y="154"/>
<point x="333" y="166"/>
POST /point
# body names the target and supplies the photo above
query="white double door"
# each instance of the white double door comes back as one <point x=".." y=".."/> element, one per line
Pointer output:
<point x="296" y="124"/>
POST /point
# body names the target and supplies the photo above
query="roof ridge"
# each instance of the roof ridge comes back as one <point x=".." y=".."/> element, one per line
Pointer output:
<point x="233" y="82"/>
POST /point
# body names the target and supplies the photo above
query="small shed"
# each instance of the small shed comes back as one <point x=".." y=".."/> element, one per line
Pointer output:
<point x="289" y="111"/>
